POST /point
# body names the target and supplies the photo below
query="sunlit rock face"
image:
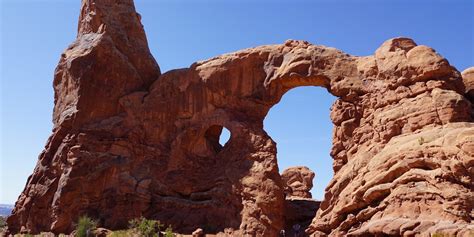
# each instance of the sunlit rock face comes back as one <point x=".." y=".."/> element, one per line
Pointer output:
<point x="468" y="79"/>
<point x="129" y="141"/>
<point x="298" y="181"/>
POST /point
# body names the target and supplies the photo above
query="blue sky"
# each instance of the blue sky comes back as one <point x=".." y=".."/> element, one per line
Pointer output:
<point x="35" y="32"/>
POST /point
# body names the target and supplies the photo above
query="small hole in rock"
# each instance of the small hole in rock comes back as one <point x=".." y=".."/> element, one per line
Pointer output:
<point x="217" y="136"/>
<point x="225" y="136"/>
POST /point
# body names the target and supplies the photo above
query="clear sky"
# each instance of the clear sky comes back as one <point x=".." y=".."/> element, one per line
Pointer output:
<point x="34" y="33"/>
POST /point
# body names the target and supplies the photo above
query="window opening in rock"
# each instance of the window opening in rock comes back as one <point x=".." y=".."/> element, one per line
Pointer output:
<point x="225" y="136"/>
<point x="217" y="137"/>
<point x="301" y="126"/>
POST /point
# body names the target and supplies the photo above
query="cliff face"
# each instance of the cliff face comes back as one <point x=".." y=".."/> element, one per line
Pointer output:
<point x="129" y="141"/>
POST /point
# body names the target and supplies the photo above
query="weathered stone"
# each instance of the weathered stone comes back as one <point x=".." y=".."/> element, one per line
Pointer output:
<point x="297" y="181"/>
<point x="198" y="233"/>
<point x="130" y="142"/>
<point x="101" y="232"/>
<point x="468" y="79"/>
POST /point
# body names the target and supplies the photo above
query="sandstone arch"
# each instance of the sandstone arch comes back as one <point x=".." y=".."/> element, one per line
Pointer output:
<point x="301" y="127"/>
<point x="127" y="137"/>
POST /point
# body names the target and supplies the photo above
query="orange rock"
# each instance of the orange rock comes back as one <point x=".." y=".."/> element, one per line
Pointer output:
<point x="298" y="181"/>
<point x="468" y="79"/>
<point x="129" y="141"/>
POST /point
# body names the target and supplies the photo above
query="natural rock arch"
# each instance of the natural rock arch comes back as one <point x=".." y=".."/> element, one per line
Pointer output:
<point x="301" y="127"/>
<point x="127" y="137"/>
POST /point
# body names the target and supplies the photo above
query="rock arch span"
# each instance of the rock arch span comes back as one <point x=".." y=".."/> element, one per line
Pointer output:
<point x="127" y="137"/>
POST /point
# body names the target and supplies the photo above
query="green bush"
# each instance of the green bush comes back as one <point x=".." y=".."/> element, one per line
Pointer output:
<point x="145" y="227"/>
<point x="3" y="222"/>
<point x="169" y="232"/>
<point x="85" y="226"/>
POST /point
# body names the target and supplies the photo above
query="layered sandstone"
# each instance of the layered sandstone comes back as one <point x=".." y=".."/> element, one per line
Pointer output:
<point x="129" y="141"/>
<point x="298" y="181"/>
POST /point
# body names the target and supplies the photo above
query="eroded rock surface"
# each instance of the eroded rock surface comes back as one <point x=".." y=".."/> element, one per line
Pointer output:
<point x="129" y="141"/>
<point x="298" y="181"/>
<point x="468" y="78"/>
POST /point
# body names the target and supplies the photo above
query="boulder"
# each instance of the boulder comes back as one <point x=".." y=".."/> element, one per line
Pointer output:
<point x="298" y="181"/>
<point x="468" y="80"/>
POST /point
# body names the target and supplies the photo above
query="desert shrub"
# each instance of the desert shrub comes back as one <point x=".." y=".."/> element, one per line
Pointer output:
<point x="421" y="140"/>
<point x="120" y="233"/>
<point x="169" y="232"/>
<point x="145" y="227"/>
<point x="3" y="222"/>
<point x="84" y="227"/>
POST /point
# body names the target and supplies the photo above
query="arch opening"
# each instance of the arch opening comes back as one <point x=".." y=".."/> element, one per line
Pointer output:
<point x="225" y="136"/>
<point x="217" y="137"/>
<point x="301" y="127"/>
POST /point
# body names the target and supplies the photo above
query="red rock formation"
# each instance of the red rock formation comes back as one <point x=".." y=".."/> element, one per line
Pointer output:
<point x="300" y="209"/>
<point x="129" y="142"/>
<point x="297" y="181"/>
<point x="468" y="79"/>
